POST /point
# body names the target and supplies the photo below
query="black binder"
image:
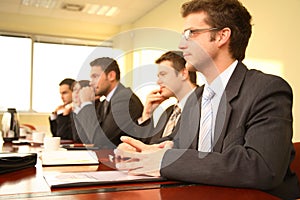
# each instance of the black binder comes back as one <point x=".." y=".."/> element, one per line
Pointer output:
<point x="10" y="162"/>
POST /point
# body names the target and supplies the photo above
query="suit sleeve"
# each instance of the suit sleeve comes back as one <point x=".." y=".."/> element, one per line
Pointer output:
<point x="125" y="109"/>
<point x="149" y="133"/>
<point x="256" y="149"/>
<point x="64" y="127"/>
<point x="88" y="127"/>
<point x="53" y="127"/>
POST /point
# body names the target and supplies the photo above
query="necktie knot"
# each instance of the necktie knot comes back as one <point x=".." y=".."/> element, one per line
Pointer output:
<point x="208" y="93"/>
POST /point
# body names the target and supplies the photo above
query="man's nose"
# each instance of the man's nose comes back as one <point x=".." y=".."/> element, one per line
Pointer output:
<point x="182" y="43"/>
<point x="159" y="82"/>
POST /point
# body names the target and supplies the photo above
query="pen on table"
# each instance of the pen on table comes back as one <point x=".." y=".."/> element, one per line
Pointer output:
<point x="80" y="145"/>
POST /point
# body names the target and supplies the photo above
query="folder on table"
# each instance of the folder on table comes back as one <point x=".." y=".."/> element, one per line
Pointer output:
<point x="10" y="162"/>
<point x="69" y="179"/>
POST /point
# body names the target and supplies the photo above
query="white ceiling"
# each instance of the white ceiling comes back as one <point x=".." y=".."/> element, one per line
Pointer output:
<point x="130" y="10"/>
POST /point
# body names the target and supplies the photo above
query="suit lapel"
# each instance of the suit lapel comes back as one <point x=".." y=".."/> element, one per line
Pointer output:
<point x="224" y="111"/>
<point x="158" y="130"/>
<point x="189" y="121"/>
<point x="101" y="109"/>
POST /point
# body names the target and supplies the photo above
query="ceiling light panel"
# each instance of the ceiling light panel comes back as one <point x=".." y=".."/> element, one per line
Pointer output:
<point x="39" y="3"/>
<point x="103" y="10"/>
<point x="91" y="9"/>
<point x="112" y="11"/>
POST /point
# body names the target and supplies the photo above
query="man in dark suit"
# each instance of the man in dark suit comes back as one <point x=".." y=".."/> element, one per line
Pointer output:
<point x="116" y="115"/>
<point x="174" y="81"/>
<point x="251" y="114"/>
<point x="60" y="118"/>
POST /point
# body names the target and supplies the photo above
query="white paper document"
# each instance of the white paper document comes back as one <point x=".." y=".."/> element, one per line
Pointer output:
<point x="75" y="157"/>
<point x="68" y="179"/>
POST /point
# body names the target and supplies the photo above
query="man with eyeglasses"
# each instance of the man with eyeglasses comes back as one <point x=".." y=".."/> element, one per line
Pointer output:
<point x="250" y="131"/>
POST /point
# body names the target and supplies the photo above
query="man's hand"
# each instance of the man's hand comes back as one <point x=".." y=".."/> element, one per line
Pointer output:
<point x="139" y="158"/>
<point x="68" y="108"/>
<point x="86" y="94"/>
<point x="63" y="109"/>
<point x="154" y="98"/>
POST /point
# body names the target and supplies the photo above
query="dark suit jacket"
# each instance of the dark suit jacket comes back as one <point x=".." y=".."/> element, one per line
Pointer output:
<point x="105" y="131"/>
<point x="61" y="127"/>
<point x="253" y="139"/>
<point x="154" y="133"/>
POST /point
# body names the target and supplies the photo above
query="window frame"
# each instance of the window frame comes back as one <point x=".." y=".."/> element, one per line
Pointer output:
<point x="51" y="40"/>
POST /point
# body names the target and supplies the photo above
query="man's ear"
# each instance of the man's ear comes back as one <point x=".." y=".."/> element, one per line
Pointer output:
<point x="223" y="36"/>
<point x="111" y="76"/>
<point x="184" y="74"/>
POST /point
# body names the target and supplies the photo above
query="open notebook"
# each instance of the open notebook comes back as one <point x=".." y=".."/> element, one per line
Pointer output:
<point x="68" y="179"/>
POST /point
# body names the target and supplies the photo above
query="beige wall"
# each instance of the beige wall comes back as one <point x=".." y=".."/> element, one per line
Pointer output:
<point x="166" y="16"/>
<point x="275" y="37"/>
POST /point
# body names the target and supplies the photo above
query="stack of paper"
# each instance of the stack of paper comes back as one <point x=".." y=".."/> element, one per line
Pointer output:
<point x="76" y="157"/>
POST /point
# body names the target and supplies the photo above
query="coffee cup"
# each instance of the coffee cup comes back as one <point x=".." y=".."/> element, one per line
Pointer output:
<point x="51" y="143"/>
<point x="38" y="137"/>
<point x="23" y="132"/>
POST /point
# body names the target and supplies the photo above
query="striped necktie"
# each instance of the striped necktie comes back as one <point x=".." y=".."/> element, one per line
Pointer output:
<point x="172" y="121"/>
<point x="205" y="137"/>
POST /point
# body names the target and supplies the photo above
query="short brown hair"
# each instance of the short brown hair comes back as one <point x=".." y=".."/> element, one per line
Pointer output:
<point x="225" y="13"/>
<point x="107" y="64"/>
<point x="176" y="57"/>
<point x="67" y="81"/>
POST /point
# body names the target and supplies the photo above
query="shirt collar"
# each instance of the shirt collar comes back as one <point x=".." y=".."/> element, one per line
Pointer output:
<point x="108" y="97"/>
<point x="219" y="84"/>
<point x="182" y="102"/>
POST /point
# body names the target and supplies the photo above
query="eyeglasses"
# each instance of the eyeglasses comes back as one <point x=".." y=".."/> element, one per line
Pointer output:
<point x="187" y="34"/>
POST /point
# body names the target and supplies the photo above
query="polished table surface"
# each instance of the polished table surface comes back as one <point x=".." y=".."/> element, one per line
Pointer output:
<point x="30" y="184"/>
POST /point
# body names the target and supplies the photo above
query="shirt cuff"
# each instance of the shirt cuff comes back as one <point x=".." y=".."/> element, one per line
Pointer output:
<point x="140" y="121"/>
<point x="53" y="116"/>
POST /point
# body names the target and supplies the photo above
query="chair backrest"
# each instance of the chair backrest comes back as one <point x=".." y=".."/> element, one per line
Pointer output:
<point x="31" y="127"/>
<point x="295" y="165"/>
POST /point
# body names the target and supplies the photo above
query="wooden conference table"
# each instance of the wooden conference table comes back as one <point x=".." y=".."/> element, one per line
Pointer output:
<point x="30" y="184"/>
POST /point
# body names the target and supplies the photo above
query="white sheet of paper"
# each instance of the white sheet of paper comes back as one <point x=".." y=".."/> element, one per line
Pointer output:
<point x="74" y="157"/>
